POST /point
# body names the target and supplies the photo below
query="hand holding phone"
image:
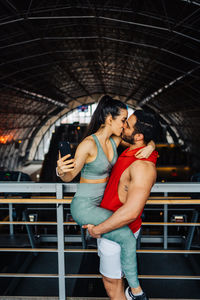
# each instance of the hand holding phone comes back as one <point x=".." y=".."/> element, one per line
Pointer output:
<point x="64" y="148"/>
<point x="66" y="164"/>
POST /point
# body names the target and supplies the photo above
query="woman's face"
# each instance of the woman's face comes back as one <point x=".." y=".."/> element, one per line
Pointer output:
<point x="119" y="122"/>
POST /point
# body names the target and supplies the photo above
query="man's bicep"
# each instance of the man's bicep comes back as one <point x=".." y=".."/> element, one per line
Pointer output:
<point x="139" y="188"/>
<point x="143" y="174"/>
<point x="136" y="199"/>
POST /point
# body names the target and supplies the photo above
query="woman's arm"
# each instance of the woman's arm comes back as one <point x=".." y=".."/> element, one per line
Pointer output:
<point x="69" y="168"/>
<point x="146" y="151"/>
<point x="142" y="153"/>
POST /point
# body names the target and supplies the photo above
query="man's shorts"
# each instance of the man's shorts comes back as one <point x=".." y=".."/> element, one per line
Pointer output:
<point x="109" y="253"/>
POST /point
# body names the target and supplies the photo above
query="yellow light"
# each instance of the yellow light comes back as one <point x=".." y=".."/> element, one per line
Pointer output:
<point x="187" y="168"/>
<point x="5" y="138"/>
<point x="163" y="180"/>
<point x="165" y="145"/>
<point x="19" y="142"/>
<point x="171" y="168"/>
<point x="166" y="168"/>
<point x="78" y="127"/>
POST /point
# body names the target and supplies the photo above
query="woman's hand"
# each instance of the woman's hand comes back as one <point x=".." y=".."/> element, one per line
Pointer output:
<point x="146" y="151"/>
<point x="65" y="165"/>
<point x="67" y="168"/>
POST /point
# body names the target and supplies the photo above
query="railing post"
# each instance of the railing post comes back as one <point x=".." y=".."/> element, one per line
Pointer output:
<point x="60" y="237"/>
<point x="11" y="218"/>
<point x="165" y="220"/>
<point x="191" y="230"/>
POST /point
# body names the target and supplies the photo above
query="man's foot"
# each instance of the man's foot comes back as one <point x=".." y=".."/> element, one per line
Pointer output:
<point x="129" y="295"/>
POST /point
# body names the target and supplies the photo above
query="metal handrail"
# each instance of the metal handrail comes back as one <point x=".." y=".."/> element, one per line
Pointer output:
<point x="68" y="200"/>
<point x="21" y="275"/>
<point x="32" y="187"/>
<point x="54" y="250"/>
<point x="59" y="189"/>
<point x="74" y="223"/>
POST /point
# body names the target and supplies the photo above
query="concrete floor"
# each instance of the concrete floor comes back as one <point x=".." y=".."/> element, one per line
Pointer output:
<point x="83" y="289"/>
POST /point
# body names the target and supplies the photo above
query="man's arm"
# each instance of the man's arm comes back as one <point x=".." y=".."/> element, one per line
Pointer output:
<point x="143" y="175"/>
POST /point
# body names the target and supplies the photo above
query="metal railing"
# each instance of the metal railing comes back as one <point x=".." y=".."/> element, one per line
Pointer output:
<point x="58" y="190"/>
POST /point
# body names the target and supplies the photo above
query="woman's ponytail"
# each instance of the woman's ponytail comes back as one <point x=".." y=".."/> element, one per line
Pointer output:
<point x="106" y="106"/>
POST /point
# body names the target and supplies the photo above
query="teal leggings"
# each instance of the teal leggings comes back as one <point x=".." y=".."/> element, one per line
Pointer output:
<point x="85" y="210"/>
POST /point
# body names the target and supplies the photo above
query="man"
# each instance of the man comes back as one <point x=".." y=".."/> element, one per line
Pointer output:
<point x="126" y="193"/>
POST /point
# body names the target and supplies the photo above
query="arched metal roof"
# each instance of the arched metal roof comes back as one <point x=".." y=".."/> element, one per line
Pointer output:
<point x="56" y="55"/>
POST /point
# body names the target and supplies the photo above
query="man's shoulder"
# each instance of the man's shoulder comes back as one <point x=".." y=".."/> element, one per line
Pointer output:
<point x="142" y="163"/>
<point x="142" y="166"/>
<point x="143" y="172"/>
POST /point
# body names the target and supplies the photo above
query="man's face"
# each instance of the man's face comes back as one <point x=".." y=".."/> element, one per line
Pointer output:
<point x="128" y="132"/>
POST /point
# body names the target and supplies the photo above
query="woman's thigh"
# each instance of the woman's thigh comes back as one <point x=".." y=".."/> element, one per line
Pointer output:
<point x="87" y="213"/>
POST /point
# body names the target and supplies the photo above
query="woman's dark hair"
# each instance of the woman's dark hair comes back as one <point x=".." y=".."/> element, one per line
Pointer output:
<point x="146" y="124"/>
<point x="106" y="106"/>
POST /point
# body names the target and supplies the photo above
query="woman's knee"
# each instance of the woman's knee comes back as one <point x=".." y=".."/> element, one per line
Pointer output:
<point x="123" y="237"/>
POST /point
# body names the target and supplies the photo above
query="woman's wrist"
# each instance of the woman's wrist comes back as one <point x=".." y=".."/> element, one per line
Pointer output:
<point x="58" y="174"/>
<point x="150" y="146"/>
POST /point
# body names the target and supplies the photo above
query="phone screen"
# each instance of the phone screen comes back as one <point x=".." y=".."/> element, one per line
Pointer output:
<point x="64" y="148"/>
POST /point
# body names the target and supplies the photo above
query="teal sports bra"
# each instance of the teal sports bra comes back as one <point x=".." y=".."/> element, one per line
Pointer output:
<point x="100" y="167"/>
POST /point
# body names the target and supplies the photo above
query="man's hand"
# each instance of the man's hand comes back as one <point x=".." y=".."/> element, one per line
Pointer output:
<point x="91" y="230"/>
<point x="142" y="178"/>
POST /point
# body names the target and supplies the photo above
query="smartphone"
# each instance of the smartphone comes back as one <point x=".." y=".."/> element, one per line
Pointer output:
<point x="64" y="148"/>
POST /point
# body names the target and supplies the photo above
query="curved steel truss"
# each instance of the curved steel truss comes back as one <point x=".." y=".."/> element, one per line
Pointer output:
<point x="55" y="54"/>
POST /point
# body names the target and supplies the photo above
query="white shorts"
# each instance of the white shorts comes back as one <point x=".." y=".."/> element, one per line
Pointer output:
<point x="109" y="253"/>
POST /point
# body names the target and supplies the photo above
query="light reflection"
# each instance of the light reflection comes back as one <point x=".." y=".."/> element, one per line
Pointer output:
<point x="5" y="138"/>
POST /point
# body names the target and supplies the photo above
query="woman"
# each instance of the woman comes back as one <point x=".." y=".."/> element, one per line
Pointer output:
<point x="95" y="157"/>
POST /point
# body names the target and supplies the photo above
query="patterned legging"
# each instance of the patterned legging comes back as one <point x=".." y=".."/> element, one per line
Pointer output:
<point x="85" y="210"/>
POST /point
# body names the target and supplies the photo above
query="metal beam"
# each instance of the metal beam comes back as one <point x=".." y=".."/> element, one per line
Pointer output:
<point x="56" y="38"/>
<point x="167" y="86"/>
<point x="35" y="96"/>
<point x="104" y="19"/>
<point x="32" y="187"/>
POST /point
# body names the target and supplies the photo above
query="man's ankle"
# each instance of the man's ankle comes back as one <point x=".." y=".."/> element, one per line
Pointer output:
<point x="138" y="296"/>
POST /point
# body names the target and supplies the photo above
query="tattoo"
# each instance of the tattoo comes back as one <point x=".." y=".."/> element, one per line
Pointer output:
<point x="126" y="188"/>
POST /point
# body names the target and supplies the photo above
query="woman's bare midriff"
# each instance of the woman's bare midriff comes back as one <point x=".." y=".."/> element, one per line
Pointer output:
<point x="102" y="180"/>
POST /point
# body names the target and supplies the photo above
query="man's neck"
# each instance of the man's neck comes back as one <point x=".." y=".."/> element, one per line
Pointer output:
<point x="137" y="145"/>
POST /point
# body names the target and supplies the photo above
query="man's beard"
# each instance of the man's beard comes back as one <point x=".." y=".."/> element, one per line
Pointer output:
<point x="128" y="139"/>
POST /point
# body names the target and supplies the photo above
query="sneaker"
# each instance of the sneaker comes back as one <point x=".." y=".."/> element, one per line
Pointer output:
<point x="129" y="295"/>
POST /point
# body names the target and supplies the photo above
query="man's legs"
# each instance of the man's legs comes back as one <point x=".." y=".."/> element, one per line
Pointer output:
<point x="110" y="268"/>
<point x="114" y="288"/>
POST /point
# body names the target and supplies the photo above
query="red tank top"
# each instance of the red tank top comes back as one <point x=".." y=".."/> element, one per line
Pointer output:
<point x="110" y="199"/>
